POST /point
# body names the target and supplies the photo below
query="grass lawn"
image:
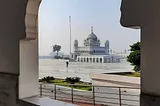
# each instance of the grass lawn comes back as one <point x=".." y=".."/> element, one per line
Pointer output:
<point x="87" y="86"/>
<point x="130" y="74"/>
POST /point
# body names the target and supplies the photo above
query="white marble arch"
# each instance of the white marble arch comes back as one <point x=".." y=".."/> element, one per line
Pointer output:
<point x="31" y="19"/>
<point x="28" y="79"/>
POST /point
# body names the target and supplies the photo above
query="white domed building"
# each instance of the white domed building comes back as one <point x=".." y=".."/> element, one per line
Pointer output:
<point x="92" y="51"/>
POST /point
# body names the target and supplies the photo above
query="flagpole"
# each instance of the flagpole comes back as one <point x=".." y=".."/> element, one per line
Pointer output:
<point x="70" y="32"/>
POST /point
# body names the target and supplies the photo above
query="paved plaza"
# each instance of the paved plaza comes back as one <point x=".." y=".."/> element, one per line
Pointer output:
<point x="57" y="68"/>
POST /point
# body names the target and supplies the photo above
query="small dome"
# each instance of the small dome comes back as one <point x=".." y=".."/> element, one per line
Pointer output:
<point x="75" y="41"/>
<point x="92" y="35"/>
<point x="107" y="41"/>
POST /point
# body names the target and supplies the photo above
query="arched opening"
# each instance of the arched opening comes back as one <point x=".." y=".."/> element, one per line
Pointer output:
<point x="112" y="59"/>
<point x="109" y="60"/>
<point x="118" y="60"/>
<point x="93" y="59"/>
<point x="33" y="38"/>
<point x="90" y="59"/>
<point x="87" y="59"/>
<point x="84" y="59"/>
<point x="97" y="60"/>
<point x="75" y="57"/>
<point x="101" y="60"/>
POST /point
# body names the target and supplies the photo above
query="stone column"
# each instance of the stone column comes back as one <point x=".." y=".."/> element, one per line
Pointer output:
<point x="103" y="59"/>
<point x="150" y="56"/>
<point x="145" y="13"/>
<point x="78" y="59"/>
<point x="12" y="30"/>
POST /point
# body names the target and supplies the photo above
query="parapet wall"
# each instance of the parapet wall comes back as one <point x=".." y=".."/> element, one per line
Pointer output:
<point x="115" y="80"/>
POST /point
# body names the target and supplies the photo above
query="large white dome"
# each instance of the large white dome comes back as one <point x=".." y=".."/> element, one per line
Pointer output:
<point x="92" y="35"/>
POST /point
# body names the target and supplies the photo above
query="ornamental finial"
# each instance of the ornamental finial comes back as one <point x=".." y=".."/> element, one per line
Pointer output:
<point x="92" y="29"/>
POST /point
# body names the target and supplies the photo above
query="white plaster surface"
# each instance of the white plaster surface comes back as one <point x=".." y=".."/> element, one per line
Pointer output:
<point x="28" y="79"/>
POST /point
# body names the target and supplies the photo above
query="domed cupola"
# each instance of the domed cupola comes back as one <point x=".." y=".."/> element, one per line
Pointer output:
<point x="92" y="35"/>
<point x="75" y="43"/>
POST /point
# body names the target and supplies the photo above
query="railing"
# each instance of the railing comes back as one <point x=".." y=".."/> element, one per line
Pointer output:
<point x="98" y="96"/>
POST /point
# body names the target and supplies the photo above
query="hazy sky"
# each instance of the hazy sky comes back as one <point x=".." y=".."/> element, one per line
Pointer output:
<point x="103" y="15"/>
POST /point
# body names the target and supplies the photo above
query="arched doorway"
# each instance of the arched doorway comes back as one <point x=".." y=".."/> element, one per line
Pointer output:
<point x="93" y="59"/>
<point x="87" y="59"/>
<point x="97" y="60"/>
<point x="101" y="60"/>
<point x="90" y="59"/>
<point x="84" y="59"/>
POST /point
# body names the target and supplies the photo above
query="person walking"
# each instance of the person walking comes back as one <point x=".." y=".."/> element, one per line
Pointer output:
<point x="67" y="63"/>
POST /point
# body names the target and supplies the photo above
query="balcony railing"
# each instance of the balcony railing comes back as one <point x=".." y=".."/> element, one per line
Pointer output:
<point x="98" y="96"/>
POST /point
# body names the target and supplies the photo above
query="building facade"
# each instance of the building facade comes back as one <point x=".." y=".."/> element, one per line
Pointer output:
<point x="92" y="51"/>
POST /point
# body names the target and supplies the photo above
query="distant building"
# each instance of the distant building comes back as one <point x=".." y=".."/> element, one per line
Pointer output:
<point x="92" y="51"/>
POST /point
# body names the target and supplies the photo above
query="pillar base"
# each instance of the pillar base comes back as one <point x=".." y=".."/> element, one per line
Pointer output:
<point x="149" y="100"/>
<point x="8" y="89"/>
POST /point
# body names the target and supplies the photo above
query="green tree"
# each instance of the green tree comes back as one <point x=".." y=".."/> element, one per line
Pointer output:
<point x="56" y="48"/>
<point x="134" y="57"/>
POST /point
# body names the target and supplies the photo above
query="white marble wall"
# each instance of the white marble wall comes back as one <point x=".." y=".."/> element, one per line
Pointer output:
<point x="99" y="59"/>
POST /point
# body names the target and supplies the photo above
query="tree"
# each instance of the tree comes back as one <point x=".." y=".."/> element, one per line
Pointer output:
<point x="56" y="48"/>
<point x="134" y="56"/>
